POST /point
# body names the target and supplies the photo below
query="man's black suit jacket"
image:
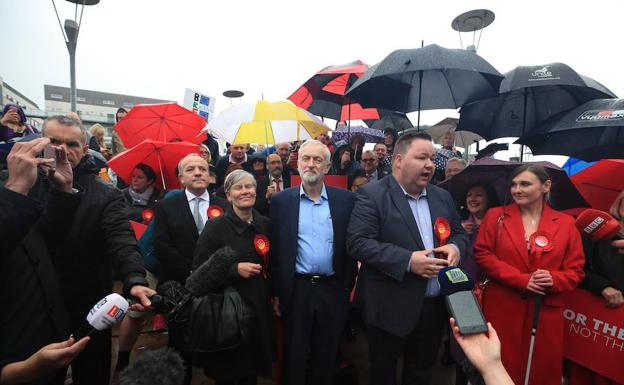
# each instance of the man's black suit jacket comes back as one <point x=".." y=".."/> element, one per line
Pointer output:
<point x="284" y="234"/>
<point x="382" y="234"/>
<point x="175" y="236"/>
<point x="262" y="204"/>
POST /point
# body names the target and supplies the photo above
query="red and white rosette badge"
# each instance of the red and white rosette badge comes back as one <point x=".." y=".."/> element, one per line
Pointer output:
<point x="540" y="242"/>
<point x="214" y="211"/>
<point x="442" y="230"/>
<point x="147" y="215"/>
<point x="262" y="245"/>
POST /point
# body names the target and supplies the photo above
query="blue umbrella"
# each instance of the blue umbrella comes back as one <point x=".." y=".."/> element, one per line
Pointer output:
<point x="573" y="165"/>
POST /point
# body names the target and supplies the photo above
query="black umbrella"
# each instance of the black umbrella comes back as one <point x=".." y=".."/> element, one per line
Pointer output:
<point x="529" y="95"/>
<point x="426" y="78"/>
<point x="592" y="131"/>
<point x="395" y="121"/>
<point x="564" y="194"/>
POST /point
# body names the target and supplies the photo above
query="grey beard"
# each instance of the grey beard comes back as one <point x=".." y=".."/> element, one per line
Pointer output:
<point x="312" y="179"/>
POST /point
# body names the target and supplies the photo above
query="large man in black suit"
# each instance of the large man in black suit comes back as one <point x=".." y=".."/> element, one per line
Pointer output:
<point x="311" y="272"/>
<point x="391" y="233"/>
<point x="179" y="219"/>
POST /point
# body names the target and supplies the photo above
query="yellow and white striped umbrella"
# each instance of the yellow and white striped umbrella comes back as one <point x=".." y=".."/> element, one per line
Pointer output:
<point x="265" y="122"/>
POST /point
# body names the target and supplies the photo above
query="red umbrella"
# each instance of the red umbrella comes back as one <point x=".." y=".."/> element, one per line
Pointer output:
<point x="601" y="182"/>
<point x="166" y="122"/>
<point x="324" y="93"/>
<point x="162" y="157"/>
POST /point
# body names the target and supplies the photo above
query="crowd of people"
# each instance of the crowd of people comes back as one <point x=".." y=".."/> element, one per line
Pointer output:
<point x="302" y="257"/>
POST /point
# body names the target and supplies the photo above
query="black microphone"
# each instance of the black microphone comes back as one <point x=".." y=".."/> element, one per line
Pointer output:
<point x="461" y="302"/>
<point x="211" y="274"/>
<point x="154" y="367"/>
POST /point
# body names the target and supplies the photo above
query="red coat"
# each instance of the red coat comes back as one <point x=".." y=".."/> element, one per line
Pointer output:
<point x="501" y="252"/>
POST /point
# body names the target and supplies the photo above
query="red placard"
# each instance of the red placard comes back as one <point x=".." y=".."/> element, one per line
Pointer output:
<point x="594" y="334"/>
<point x="139" y="229"/>
<point x="330" y="180"/>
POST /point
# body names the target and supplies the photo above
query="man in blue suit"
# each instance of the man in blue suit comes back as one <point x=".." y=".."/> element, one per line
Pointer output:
<point x="391" y="233"/>
<point x="311" y="272"/>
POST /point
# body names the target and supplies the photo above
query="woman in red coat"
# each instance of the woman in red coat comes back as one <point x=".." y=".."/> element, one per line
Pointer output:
<point x="528" y="249"/>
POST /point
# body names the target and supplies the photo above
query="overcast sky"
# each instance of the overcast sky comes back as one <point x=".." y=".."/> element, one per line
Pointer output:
<point x="157" y="48"/>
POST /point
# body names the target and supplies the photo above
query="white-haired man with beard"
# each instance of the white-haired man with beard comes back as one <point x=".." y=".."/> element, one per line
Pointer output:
<point x="311" y="272"/>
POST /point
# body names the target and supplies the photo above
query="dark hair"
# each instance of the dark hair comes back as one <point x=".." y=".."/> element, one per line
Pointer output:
<point x="359" y="173"/>
<point x="20" y="111"/>
<point x="539" y="171"/>
<point x="147" y="170"/>
<point x="120" y="109"/>
<point x="492" y="196"/>
<point x="405" y="140"/>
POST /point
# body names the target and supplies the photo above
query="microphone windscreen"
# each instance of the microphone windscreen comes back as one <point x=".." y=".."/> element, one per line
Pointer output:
<point x="212" y="274"/>
<point x="597" y="225"/>
<point x="454" y="279"/>
<point x="154" y="367"/>
<point x="108" y="311"/>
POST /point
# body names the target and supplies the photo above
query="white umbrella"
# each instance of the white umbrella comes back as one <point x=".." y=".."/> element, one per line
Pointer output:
<point x="463" y="139"/>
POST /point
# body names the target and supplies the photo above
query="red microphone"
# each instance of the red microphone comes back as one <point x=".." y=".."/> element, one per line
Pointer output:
<point x="598" y="225"/>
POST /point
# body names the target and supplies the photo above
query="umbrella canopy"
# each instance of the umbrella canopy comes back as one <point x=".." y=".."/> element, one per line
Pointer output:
<point x="564" y="194"/>
<point x="573" y="165"/>
<point x="166" y="122"/>
<point x="324" y="93"/>
<point x="162" y="157"/>
<point x="463" y="139"/>
<point x="592" y="131"/>
<point x="426" y="78"/>
<point x="601" y="182"/>
<point x="370" y="134"/>
<point x="528" y="96"/>
<point x="395" y="121"/>
<point x="266" y="123"/>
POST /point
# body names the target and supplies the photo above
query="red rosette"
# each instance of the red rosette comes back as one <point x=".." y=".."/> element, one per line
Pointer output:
<point x="214" y="211"/>
<point x="262" y="245"/>
<point x="147" y="215"/>
<point x="261" y="242"/>
<point x="541" y="242"/>
<point x="442" y="230"/>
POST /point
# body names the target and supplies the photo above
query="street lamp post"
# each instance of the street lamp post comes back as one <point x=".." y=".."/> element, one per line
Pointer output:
<point x="70" y="35"/>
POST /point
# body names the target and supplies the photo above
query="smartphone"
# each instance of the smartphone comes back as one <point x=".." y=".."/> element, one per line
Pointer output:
<point x="49" y="152"/>
<point x="463" y="306"/>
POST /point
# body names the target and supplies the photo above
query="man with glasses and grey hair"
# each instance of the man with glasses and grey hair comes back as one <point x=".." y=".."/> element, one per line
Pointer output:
<point x="99" y="242"/>
<point x="311" y="272"/>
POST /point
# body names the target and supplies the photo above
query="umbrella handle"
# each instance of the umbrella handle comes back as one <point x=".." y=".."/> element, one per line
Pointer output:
<point x="162" y="173"/>
<point x="538" y="305"/>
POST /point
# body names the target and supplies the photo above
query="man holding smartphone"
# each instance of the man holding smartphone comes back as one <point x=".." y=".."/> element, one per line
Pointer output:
<point x="99" y="241"/>
<point x="391" y="233"/>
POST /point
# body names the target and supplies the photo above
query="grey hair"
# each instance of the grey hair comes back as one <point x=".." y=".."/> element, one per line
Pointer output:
<point x="311" y="142"/>
<point x="66" y="121"/>
<point x="457" y="160"/>
<point x="181" y="162"/>
<point x="236" y="176"/>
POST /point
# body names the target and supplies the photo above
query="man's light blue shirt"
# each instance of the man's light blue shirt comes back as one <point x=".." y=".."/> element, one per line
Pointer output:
<point x="315" y="238"/>
<point x="422" y="215"/>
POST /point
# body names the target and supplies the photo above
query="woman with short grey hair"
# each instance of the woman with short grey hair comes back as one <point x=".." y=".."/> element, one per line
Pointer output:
<point x="235" y="249"/>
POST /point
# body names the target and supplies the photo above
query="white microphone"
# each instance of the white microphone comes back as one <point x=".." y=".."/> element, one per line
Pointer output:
<point x="106" y="313"/>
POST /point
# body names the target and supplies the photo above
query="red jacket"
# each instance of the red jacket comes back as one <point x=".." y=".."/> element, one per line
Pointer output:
<point x="501" y="252"/>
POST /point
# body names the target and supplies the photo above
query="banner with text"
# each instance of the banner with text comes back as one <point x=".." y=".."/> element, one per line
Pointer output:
<point x="201" y="104"/>
<point x="594" y="334"/>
